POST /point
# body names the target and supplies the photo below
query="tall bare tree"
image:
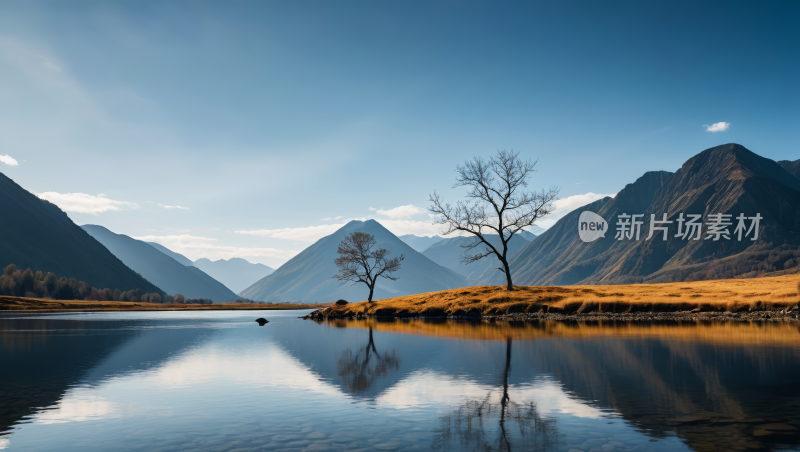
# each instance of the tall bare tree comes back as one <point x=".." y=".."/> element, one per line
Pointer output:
<point x="357" y="261"/>
<point x="497" y="204"/>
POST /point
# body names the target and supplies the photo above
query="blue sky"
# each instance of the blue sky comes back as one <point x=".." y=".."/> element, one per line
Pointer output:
<point x="251" y="129"/>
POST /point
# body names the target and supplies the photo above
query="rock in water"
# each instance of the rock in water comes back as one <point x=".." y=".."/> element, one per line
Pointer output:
<point x="262" y="321"/>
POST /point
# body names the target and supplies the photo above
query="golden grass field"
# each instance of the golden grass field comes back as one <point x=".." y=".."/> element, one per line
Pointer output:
<point x="729" y="295"/>
<point x="43" y="305"/>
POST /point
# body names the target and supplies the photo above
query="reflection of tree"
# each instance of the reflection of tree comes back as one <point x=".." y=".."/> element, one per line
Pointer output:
<point x="360" y="369"/>
<point x="520" y="427"/>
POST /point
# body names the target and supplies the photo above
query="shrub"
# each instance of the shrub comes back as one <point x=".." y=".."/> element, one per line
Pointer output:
<point x="341" y="302"/>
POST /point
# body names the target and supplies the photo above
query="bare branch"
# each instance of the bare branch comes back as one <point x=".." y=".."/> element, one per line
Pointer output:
<point x="358" y="263"/>
<point x="497" y="204"/>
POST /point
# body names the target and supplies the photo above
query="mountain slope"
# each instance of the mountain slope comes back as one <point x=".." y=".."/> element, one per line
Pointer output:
<point x="726" y="179"/>
<point x="419" y="243"/>
<point x="308" y="276"/>
<point x="183" y="260"/>
<point x="39" y="235"/>
<point x="792" y="167"/>
<point x="236" y="273"/>
<point x="448" y="252"/>
<point x="156" y="266"/>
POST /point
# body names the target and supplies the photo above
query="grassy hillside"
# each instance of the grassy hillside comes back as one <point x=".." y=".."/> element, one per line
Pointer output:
<point x="734" y="295"/>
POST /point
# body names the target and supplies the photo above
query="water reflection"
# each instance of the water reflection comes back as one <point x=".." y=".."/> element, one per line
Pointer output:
<point x="716" y="386"/>
<point x="360" y="368"/>
<point x="218" y="381"/>
<point x="519" y="425"/>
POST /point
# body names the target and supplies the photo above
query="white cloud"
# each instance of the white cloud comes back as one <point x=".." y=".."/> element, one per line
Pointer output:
<point x="372" y="209"/>
<point x="174" y="207"/>
<point x="49" y="64"/>
<point x="8" y="160"/>
<point x="83" y="203"/>
<point x="718" y="127"/>
<point x="306" y="234"/>
<point x="401" y="212"/>
<point x="331" y="219"/>
<point x="195" y="247"/>
<point x="566" y="205"/>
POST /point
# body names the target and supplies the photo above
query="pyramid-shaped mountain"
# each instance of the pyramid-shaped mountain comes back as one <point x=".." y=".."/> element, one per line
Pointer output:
<point x="308" y="277"/>
<point x="727" y="179"/>
<point x="169" y="274"/>
<point x="39" y="235"/>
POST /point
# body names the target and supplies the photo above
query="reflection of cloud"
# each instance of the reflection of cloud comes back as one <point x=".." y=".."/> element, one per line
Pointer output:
<point x="79" y="404"/>
<point x="4" y="443"/>
<point x="432" y="388"/>
<point x="195" y="247"/>
<point x="83" y="203"/>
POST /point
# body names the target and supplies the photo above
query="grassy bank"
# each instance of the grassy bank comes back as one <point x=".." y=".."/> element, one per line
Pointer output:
<point x="43" y="305"/>
<point x="730" y="295"/>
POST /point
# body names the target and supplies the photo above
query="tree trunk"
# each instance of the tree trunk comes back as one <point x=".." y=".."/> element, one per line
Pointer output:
<point x="371" y="289"/>
<point x="509" y="284"/>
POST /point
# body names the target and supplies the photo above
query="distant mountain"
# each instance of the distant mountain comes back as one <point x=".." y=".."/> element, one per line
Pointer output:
<point x="419" y="243"/>
<point x="727" y="179"/>
<point x="792" y="167"/>
<point x="178" y="257"/>
<point x="156" y="266"/>
<point x="236" y="273"/>
<point x="309" y="275"/>
<point x="39" y="235"/>
<point x="527" y="235"/>
<point x="448" y="252"/>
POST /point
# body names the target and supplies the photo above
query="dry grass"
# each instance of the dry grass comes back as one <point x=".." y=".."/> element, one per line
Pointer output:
<point x="43" y="305"/>
<point x="727" y="333"/>
<point x="729" y="295"/>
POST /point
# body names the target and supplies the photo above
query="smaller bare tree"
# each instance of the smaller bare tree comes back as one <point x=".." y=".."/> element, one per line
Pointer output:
<point x="497" y="205"/>
<point x="357" y="261"/>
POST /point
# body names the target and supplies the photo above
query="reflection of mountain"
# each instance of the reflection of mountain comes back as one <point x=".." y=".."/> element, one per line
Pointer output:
<point x="50" y="356"/>
<point x="702" y="390"/>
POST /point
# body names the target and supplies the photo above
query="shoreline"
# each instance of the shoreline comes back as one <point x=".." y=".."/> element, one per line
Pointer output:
<point x="755" y="316"/>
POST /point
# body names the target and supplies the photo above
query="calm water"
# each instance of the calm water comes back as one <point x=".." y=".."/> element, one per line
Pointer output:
<point x="216" y="381"/>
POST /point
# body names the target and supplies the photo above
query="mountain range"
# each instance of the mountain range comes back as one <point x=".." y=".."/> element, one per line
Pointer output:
<point x="236" y="273"/>
<point x="419" y="243"/>
<point x="727" y="179"/>
<point x="448" y="252"/>
<point x="153" y="264"/>
<point x="39" y="235"/>
<point x="308" y="276"/>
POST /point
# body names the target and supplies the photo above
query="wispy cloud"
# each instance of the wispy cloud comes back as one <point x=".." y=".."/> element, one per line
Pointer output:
<point x="304" y="234"/>
<point x="49" y="64"/>
<point x="83" y="203"/>
<point x="401" y="212"/>
<point x="195" y="247"/>
<point x="173" y="207"/>
<point x="717" y="127"/>
<point x="331" y="219"/>
<point x="567" y="205"/>
<point x="8" y="160"/>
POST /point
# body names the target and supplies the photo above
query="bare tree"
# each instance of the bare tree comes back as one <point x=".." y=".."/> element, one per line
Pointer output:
<point x="497" y="204"/>
<point x="357" y="261"/>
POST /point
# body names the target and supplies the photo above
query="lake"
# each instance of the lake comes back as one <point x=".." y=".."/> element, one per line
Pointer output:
<point x="217" y="381"/>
